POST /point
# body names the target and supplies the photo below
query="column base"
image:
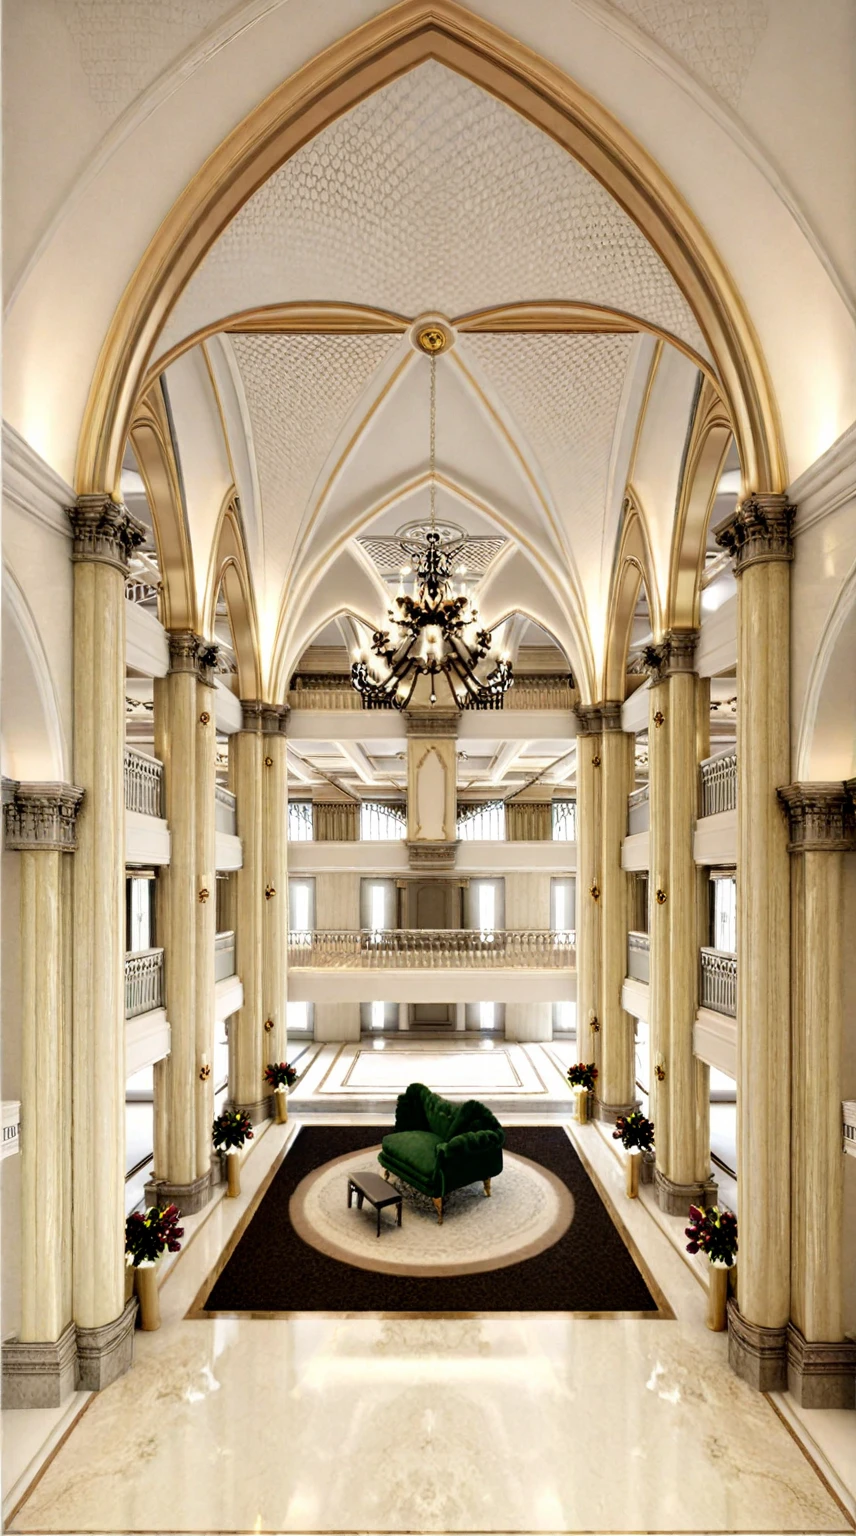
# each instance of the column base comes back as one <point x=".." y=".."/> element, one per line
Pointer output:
<point x="38" y="1375"/>
<point x="609" y="1113"/>
<point x="676" y="1199"/>
<point x="757" y="1355"/>
<point x="259" y="1111"/>
<point x="189" y="1198"/>
<point x="106" y="1353"/>
<point x="821" y="1375"/>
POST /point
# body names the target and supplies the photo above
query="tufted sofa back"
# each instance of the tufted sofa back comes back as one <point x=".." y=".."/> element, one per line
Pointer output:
<point x="421" y="1109"/>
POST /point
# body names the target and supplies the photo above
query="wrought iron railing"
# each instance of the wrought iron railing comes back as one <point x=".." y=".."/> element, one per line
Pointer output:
<point x="143" y="982"/>
<point x="638" y="956"/>
<point x="719" y="981"/>
<point x="224" y="955"/>
<point x="225" y="819"/>
<point x="143" y="783"/>
<point x="431" y="949"/>
<point x="718" y="784"/>
<point x="638" y="811"/>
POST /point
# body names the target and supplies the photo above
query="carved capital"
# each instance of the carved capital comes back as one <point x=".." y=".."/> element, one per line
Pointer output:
<point x="189" y="653"/>
<point x="589" y="721"/>
<point x="274" y="718"/>
<point x="434" y="722"/>
<point x="674" y="654"/>
<point x="251" y="716"/>
<point x="610" y="715"/>
<point x="41" y="817"/>
<point x="821" y="817"/>
<point x="104" y="531"/>
<point x="761" y="528"/>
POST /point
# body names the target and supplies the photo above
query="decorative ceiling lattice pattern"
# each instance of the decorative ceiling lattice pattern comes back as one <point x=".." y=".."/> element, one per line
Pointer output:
<point x="431" y="194"/>
<point x="473" y="559"/>
<point x="123" y="45"/>
<point x="716" y="42"/>
<point x="300" y="392"/>
<point x="564" y="392"/>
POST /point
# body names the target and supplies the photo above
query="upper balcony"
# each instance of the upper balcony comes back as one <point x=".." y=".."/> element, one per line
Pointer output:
<point x="718" y="777"/>
<point x="638" y="956"/>
<point x="143" y="783"/>
<point x="143" y="982"/>
<point x="431" y="949"/>
<point x="715" y="838"/>
<point x="225" y="815"/>
<point x="719" y="981"/>
<point x="638" y="811"/>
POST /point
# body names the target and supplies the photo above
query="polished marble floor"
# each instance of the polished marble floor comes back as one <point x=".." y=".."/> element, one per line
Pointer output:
<point x="543" y="1423"/>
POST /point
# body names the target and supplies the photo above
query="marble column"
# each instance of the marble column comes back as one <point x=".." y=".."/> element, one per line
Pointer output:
<point x="683" y="1164"/>
<point x="758" y="535"/>
<point x="659" y="958"/>
<point x="39" y="1365"/>
<point x="588" y="911"/>
<point x="104" y="535"/>
<point x="821" y="1363"/>
<point x="246" y="1029"/>
<point x="205" y="911"/>
<point x="615" y="1093"/>
<point x="275" y="876"/>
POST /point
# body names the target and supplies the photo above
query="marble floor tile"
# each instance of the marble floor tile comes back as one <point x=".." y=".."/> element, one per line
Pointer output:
<point x="543" y="1423"/>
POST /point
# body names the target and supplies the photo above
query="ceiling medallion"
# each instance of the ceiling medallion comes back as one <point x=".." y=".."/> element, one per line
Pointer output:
<point x="433" y="631"/>
<point x="432" y="339"/>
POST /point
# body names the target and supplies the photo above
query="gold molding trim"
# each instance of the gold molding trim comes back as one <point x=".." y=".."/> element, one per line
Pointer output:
<point x="709" y="442"/>
<point x="573" y="318"/>
<point x="229" y="567"/>
<point x="151" y="440"/>
<point x="633" y="565"/>
<point x="331" y="84"/>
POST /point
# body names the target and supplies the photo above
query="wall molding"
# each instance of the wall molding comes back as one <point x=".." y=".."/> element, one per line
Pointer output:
<point x="32" y="486"/>
<point x="827" y="483"/>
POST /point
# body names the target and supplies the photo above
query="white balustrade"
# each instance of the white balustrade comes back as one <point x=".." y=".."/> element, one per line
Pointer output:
<point x="143" y="982"/>
<point x="412" y="949"/>
<point x="718" y="784"/>
<point x="225" y="817"/>
<point x="143" y="783"/>
<point x="224" y="955"/>
<point x="848" y="1126"/>
<point x="719" y="981"/>
<point x="638" y="811"/>
<point x="638" y="956"/>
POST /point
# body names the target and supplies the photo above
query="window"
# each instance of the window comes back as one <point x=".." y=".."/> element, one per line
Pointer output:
<point x="378" y="905"/>
<point x="563" y="902"/>
<point x="564" y="821"/>
<point x="378" y="911"/>
<point x="301" y="904"/>
<point x="565" y="1018"/>
<point x="139" y="912"/>
<point x="723" y="913"/>
<point x="299" y="1020"/>
<point x="300" y="821"/>
<point x="380" y="823"/>
<point x="483" y="823"/>
<point x="487" y="1015"/>
<point x="484" y="906"/>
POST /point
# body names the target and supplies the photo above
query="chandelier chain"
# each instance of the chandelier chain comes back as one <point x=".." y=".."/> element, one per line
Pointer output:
<point x="432" y="457"/>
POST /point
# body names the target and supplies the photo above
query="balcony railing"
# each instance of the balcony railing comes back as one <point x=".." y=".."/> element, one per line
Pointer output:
<point x="143" y="982"/>
<point x="224" y="810"/>
<point x="638" y="811"/>
<point x="323" y="690"/>
<point x="638" y="956"/>
<point x="143" y="783"/>
<point x="409" y="949"/>
<point x="718" y="784"/>
<point x="224" y="955"/>
<point x="719" y="981"/>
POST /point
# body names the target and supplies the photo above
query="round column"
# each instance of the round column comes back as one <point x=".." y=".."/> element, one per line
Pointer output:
<point x="616" y="1087"/>
<point x="659" y="735"/>
<point x="588" y="882"/>
<point x="205" y="912"/>
<point x="275" y="913"/>
<point x="246" y="1028"/>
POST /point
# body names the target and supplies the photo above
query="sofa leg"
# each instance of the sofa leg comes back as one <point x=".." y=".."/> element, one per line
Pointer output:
<point x="487" y="1188"/>
<point x="439" y="1205"/>
<point x="386" y="1173"/>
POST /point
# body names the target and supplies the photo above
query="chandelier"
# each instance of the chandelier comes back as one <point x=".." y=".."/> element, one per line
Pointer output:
<point x="434" y="632"/>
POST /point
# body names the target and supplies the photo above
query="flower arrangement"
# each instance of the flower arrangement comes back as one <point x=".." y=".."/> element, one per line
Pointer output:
<point x="280" y="1074"/>
<point x="634" y="1132"/>
<point x="713" y="1232"/>
<point x="582" y="1075"/>
<point x="231" y="1129"/>
<point x="148" y="1233"/>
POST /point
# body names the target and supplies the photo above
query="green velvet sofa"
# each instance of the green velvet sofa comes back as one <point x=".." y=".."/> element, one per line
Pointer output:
<point x="437" y="1146"/>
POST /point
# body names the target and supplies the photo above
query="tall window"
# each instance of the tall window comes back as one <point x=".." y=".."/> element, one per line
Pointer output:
<point x="564" y="821"/>
<point x="487" y="1015"/>
<point x="300" y="903"/>
<point x="139" y="913"/>
<point x="483" y="823"/>
<point x="723" y="913"/>
<point x="381" y="823"/>
<point x="563" y="893"/>
<point x="300" y="821"/>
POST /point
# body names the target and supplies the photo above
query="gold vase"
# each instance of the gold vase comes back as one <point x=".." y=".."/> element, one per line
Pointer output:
<point x="717" y="1296"/>
<point x="632" y="1174"/>
<point x="280" y="1099"/>
<point x="582" y="1105"/>
<point x="233" y="1174"/>
<point x="146" y="1282"/>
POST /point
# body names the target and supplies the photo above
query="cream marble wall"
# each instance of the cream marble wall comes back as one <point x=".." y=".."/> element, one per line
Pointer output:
<point x="529" y="1021"/>
<point x="337" y="1021"/>
<point x="337" y="901"/>
<point x="527" y="901"/>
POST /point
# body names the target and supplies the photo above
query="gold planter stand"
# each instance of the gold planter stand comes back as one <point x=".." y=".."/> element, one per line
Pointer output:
<point x="280" y="1099"/>
<point x="634" y="1163"/>
<point x="146" y="1282"/>
<point x="582" y="1099"/>
<point x="717" y="1296"/>
<point x="233" y="1174"/>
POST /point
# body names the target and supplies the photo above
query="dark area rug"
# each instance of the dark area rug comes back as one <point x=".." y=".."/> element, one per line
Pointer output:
<point x="273" y="1270"/>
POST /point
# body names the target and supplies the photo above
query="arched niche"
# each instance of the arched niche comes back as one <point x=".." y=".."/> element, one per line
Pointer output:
<point x="633" y="567"/>
<point x="229" y="574"/>
<point x="383" y="48"/>
<point x="151" y="441"/>
<point x="709" y="442"/>
<point x="34" y="745"/>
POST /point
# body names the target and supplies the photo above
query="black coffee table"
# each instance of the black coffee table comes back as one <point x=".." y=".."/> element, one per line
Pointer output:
<point x="371" y="1187"/>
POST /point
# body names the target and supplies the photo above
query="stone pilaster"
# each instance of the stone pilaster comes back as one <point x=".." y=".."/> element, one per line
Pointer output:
<point x="39" y="1366"/>
<point x="821" y="1364"/>
<point x="432" y="789"/>
<point x="588" y="910"/>
<point x="246" y="1029"/>
<point x="104" y="536"/>
<point x="615" y="1092"/>
<point x="758" y="534"/>
<point x="275" y="912"/>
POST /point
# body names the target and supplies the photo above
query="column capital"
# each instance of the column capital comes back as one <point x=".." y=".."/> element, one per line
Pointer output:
<point x="589" y="719"/>
<point x="104" y="531"/>
<point x="190" y="653"/>
<point x="40" y="818"/>
<point x="433" y="722"/>
<point x="760" y="528"/>
<point x="821" y="817"/>
<point x="675" y="654"/>
<point x="274" y="717"/>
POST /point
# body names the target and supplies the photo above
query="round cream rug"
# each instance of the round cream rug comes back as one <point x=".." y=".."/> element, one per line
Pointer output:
<point x="529" y="1209"/>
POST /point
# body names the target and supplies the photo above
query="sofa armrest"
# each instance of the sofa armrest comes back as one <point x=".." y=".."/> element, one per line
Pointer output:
<point x="468" y="1144"/>
<point x="409" y="1109"/>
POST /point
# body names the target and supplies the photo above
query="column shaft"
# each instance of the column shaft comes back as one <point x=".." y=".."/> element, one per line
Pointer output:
<point x="659" y="739"/>
<point x="206" y="921"/>
<point x="587" y="904"/>
<point x="275" y="914"/>
<point x="616" y="1088"/>
<point x="246" y="1049"/>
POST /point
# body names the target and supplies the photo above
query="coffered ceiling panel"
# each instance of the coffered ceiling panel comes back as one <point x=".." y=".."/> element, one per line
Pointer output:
<point x="431" y="194"/>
